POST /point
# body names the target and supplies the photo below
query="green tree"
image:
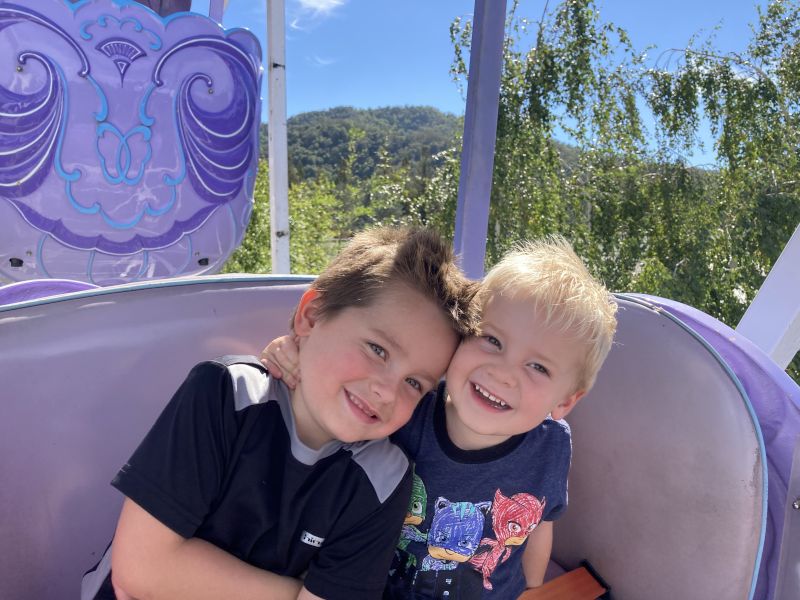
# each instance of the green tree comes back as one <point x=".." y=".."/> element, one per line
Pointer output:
<point x="644" y="219"/>
<point x="313" y="237"/>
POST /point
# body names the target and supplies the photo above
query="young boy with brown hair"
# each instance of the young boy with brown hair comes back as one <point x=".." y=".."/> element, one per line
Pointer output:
<point x="492" y="453"/>
<point x="242" y="486"/>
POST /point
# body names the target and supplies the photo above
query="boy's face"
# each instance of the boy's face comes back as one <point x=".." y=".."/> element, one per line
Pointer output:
<point x="509" y="379"/>
<point x="365" y="369"/>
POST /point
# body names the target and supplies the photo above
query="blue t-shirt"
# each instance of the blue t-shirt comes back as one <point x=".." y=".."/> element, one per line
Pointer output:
<point x="471" y="511"/>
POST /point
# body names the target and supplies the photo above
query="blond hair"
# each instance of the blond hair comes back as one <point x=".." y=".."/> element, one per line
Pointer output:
<point x="549" y="274"/>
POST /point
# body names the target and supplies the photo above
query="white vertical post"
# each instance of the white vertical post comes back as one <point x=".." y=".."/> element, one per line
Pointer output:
<point x="278" y="154"/>
<point x="772" y="320"/>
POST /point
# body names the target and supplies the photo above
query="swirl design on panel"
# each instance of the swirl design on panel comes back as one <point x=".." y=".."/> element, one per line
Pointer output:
<point x="126" y="135"/>
<point x="216" y="144"/>
<point x="29" y="127"/>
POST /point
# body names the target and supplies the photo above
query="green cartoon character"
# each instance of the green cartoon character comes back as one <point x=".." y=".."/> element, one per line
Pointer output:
<point x="415" y="516"/>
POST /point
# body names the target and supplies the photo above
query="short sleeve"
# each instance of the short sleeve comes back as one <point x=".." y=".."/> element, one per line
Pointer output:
<point x="355" y="565"/>
<point x="561" y="448"/>
<point x="176" y="472"/>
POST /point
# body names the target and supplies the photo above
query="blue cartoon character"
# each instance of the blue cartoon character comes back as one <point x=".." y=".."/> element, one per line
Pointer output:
<point x="455" y="533"/>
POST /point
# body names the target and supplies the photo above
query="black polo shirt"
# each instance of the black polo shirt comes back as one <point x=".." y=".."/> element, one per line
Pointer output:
<point x="223" y="463"/>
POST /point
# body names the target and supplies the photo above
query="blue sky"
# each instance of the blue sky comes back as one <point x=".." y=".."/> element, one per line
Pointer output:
<point x="372" y="53"/>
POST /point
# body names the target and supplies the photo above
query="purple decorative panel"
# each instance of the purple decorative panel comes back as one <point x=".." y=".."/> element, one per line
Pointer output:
<point x="128" y="141"/>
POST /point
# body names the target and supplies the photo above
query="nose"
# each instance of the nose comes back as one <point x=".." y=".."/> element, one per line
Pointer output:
<point x="501" y="374"/>
<point x="383" y="388"/>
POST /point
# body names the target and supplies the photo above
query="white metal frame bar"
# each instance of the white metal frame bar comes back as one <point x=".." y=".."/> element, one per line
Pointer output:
<point x="772" y="321"/>
<point x="278" y="153"/>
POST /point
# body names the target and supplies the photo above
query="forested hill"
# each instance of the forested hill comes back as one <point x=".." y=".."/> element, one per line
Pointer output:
<point x="359" y="139"/>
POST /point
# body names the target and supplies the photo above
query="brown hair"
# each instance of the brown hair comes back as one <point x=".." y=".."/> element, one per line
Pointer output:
<point x="384" y="256"/>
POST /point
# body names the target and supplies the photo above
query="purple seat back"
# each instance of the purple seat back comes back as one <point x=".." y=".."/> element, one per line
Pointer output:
<point x="128" y="141"/>
<point x="83" y="379"/>
<point x="40" y="288"/>
<point x="668" y="474"/>
<point x="776" y="401"/>
<point x="667" y="494"/>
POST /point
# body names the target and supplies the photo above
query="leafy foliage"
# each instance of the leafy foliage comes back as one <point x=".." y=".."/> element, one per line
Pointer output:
<point x="312" y="222"/>
<point x="644" y="219"/>
<point x="621" y="190"/>
<point x="321" y="142"/>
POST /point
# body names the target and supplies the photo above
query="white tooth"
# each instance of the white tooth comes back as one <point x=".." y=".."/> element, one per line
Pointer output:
<point x="486" y="394"/>
<point x="360" y="405"/>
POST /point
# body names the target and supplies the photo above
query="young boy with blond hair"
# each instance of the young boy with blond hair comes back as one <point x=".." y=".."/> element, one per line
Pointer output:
<point x="243" y="487"/>
<point x="492" y="452"/>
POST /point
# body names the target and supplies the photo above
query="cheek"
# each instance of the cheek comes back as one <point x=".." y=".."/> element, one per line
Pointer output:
<point x="464" y="361"/>
<point x="403" y="411"/>
<point x="343" y="360"/>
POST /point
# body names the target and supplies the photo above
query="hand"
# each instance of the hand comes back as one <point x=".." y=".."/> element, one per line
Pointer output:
<point x="281" y="358"/>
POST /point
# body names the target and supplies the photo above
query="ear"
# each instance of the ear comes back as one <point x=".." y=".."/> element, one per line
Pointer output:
<point x="564" y="407"/>
<point x="307" y="313"/>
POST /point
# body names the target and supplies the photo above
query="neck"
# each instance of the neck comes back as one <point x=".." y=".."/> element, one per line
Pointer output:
<point x="305" y="425"/>
<point x="462" y="436"/>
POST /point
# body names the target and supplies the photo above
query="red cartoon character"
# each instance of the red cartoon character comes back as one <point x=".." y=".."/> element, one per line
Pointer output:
<point x="512" y="520"/>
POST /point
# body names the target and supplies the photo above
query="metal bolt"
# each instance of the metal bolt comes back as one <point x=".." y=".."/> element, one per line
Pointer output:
<point x="19" y="68"/>
<point x="796" y="504"/>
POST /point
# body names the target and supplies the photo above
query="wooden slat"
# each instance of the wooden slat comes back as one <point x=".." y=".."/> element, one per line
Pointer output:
<point x="573" y="585"/>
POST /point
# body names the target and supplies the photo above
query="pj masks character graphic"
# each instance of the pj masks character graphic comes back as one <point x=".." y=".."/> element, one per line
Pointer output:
<point x="415" y="516"/>
<point x="513" y="519"/>
<point x="454" y="535"/>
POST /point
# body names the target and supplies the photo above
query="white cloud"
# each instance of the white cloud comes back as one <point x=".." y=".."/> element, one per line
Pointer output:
<point x="304" y="16"/>
<point x="320" y="7"/>
<point x="295" y="25"/>
<point x="319" y="61"/>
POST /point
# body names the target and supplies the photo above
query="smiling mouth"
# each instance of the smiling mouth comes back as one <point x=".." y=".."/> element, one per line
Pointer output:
<point x="489" y="398"/>
<point x="362" y="406"/>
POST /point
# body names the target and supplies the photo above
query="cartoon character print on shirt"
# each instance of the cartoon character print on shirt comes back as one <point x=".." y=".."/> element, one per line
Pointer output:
<point x="454" y="534"/>
<point x="513" y="519"/>
<point x="414" y="516"/>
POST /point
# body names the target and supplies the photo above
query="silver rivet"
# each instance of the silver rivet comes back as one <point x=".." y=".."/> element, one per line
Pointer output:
<point x="19" y="68"/>
<point x="796" y="504"/>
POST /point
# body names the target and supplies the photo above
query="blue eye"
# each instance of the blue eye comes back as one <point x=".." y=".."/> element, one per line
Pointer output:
<point x="378" y="350"/>
<point x="493" y="341"/>
<point x="414" y="384"/>
<point x="540" y="368"/>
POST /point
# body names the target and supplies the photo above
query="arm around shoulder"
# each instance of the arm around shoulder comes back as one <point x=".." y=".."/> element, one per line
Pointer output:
<point x="149" y="560"/>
